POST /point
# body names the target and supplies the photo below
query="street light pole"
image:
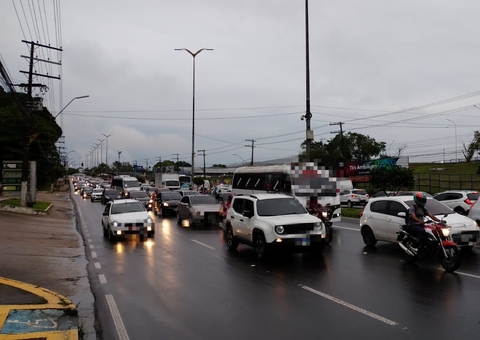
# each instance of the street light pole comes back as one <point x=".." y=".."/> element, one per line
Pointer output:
<point x="81" y="97"/>
<point x="244" y="163"/>
<point x="193" y="103"/>
<point x="106" y="148"/>
<point x="66" y="162"/>
<point x="101" y="146"/>
<point x="456" y="157"/>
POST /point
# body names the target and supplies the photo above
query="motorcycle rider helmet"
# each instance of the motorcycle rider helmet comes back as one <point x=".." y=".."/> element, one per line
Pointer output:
<point x="420" y="198"/>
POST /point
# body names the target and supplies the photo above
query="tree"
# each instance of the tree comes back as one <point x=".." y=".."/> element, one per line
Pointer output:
<point x="221" y="166"/>
<point x="392" y="179"/>
<point x="355" y="147"/>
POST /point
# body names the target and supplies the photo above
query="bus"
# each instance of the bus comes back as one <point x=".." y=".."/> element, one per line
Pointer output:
<point x="301" y="180"/>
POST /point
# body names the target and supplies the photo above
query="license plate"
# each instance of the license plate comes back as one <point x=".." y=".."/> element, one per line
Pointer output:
<point x="134" y="228"/>
<point x="304" y="241"/>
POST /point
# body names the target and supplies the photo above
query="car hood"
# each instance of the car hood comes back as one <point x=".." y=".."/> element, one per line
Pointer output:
<point x="291" y="219"/>
<point x="459" y="222"/>
<point x="133" y="217"/>
<point x="143" y="199"/>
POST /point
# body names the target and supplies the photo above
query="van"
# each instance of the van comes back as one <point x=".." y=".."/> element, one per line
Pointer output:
<point x="125" y="184"/>
<point x="344" y="184"/>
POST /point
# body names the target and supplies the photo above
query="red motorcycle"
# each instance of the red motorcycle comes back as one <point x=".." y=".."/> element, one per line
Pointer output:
<point x="437" y="241"/>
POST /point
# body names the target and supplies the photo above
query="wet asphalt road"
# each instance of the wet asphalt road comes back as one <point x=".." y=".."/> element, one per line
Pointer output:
<point x="185" y="284"/>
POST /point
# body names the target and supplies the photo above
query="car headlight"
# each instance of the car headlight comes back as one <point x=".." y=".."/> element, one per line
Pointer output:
<point x="279" y="229"/>
<point x="149" y="220"/>
<point x="150" y="201"/>
<point x="324" y="214"/>
<point x="165" y="204"/>
<point x="115" y="224"/>
<point x="446" y="232"/>
<point x="317" y="226"/>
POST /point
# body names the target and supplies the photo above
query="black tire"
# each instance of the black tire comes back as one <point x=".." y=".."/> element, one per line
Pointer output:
<point x="163" y="213"/>
<point x="179" y="220"/>
<point x="143" y="237"/>
<point x="112" y="238"/>
<point x="260" y="246"/>
<point x="151" y="234"/>
<point x="467" y="249"/>
<point x="452" y="261"/>
<point x="232" y="243"/>
<point x="329" y="235"/>
<point x="368" y="237"/>
<point x="105" y="233"/>
<point x="350" y="204"/>
<point x="91" y="199"/>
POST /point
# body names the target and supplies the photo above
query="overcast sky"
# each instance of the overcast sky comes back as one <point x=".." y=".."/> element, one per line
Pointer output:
<point x="387" y="69"/>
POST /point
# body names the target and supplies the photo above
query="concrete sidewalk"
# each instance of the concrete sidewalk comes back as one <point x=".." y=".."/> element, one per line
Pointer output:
<point x="44" y="288"/>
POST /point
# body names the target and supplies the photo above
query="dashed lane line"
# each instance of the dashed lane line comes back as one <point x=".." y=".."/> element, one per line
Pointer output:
<point x="203" y="244"/>
<point x="94" y="254"/>
<point x="97" y="265"/>
<point x="102" y="279"/>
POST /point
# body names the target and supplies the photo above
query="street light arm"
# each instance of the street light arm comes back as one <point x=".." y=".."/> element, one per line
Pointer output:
<point x="81" y="97"/>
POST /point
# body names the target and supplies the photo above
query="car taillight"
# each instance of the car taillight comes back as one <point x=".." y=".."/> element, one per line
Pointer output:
<point x="467" y="201"/>
<point x="354" y="196"/>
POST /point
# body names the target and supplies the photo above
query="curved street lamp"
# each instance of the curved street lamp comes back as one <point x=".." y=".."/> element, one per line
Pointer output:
<point x="81" y="97"/>
<point x="193" y="105"/>
<point x="234" y="154"/>
<point x="456" y="158"/>
<point x="106" y="148"/>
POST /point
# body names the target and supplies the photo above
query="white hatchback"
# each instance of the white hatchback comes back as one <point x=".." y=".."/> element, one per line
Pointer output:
<point x="383" y="216"/>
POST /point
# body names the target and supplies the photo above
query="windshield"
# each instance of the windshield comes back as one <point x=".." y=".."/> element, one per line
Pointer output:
<point x="359" y="192"/>
<point x="435" y="207"/>
<point x="172" y="183"/>
<point x="171" y="196"/>
<point x="97" y="190"/>
<point x="138" y="194"/>
<point x="88" y="189"/>
<point x="131" y="183"/>
<point x="127" y="208"/>
<point x="281" y="206"/>
<point x="199" y="200"/>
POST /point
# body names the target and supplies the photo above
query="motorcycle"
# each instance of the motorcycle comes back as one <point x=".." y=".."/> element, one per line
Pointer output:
<point x="322" y="213"/>
<point x="437" y="241"/>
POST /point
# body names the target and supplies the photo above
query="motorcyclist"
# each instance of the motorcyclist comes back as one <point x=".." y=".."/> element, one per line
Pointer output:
<point x="416" y="217"/>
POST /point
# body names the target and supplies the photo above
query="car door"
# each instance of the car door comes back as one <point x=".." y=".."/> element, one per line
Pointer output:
<point x="394" y="222"/>
<point x="237" y="219"/>
<point x="183" y="208"/>
<point x="376" y="218"/>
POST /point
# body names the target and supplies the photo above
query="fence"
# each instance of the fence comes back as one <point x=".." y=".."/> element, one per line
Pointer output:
<point x="434" y="182"/>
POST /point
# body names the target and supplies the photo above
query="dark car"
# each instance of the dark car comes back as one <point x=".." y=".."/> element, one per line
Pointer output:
<point x="166" y="202"/>
<point x="109" y="195"/>
<point x="86" y="192"/>
<point x="143" y="197"/>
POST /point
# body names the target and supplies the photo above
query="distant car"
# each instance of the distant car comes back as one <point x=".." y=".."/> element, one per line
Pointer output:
<point x="384" y="193"/>
<point x="126" y="216"/>
<point x="382" y="218"/>
<point x="96" y="195"/>
<point x="410" y="193"/>
<point x="166" y="202"/>
<point x="474" y="212"/>
<point x="86" y="192"/>
<point x="109" y="195"/>
<point x="459" y="200"/>
<point x="143" y="197"/>
<point x="185" y="192"/>
<point x="352" y="197"/>
<point x="202" y="209"/>
<point x="146" y="187"/>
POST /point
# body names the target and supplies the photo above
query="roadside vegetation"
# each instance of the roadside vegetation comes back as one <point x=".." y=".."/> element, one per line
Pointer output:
<point x="15" y="202"/>
<point x="351" y="212"/>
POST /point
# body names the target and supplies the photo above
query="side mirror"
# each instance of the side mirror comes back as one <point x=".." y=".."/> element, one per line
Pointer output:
<point x="402" y="214"/>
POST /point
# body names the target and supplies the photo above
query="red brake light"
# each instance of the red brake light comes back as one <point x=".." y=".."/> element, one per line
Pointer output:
<point x="468" y="201"/>
<point x="354" y="196"/>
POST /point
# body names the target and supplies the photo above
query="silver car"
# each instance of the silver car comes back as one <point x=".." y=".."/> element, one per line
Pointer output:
<point x="202" y="209"/>
<point x="354" y="197"/>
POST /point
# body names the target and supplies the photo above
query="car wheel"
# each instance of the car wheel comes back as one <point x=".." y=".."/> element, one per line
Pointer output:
<point x="105" y="232"/>
<point x="232" y="243"/>
<point x="179" y="220"/>
<point x="460" y="210"/>
<point x="368" y="236"/>
<point x="112" y="238"/>
<point x="143" y="237"/>
<point x="150" y="234"/>
<point x="260" y="246"/>
<point x="329" y="235"/>
<point x="163" y="213"/>
<point x="350" y="204"/>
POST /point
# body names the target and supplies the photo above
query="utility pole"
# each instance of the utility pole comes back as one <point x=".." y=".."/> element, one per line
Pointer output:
<point x="308" y="114"/>
<point x="146" y="171"/>
<point x="160" y="162"/>
<point x="176" y="154"/>
<point x="29" y="136"/>
<point x="118" y="170"/>
<point x="251" y="146"/>
<point x="341" y="137"/>
<point x="202" y="153"/>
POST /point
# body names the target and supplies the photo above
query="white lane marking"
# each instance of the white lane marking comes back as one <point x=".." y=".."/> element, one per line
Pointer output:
<point x="470" y="275"/>
<point x="117" y="319"/>
<point x="91" y="246"/>
<point x="355" y="308"/>
<point x="102" y="279"/>
<point x="94" y="254"/>
<point x="97" y="265"/>
<point x="347" y="228"/>
<point x="89" y="240"/>
<point x="203" y="244"/>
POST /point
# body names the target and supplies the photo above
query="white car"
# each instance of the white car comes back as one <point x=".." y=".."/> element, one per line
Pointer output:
<point x="459" y="200"/>
<point x="264" y="221"/>
<point x="96" y="195"/>
<point x="125" y="217"/>
<point x="202" y="209"/>
<point x="352" y="197"/>
<point x="383" y="216"/>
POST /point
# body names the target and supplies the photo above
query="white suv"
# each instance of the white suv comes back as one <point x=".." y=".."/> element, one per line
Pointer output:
<point x="459" y="200"/>
<point x="382" y="218"/>
<point x="272" y="220"/>
<point x="353" y="197"/>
